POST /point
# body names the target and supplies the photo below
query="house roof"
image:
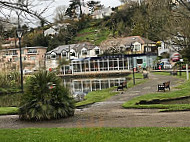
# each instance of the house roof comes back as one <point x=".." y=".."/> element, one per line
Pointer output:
<point x="61" y="48"/>
<point x="125" y="41"/>
<point x="77" y="47"/>
<point x="35" y="47"/>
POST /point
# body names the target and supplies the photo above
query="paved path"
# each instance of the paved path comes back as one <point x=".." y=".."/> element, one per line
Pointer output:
<point x="110" y="113"/>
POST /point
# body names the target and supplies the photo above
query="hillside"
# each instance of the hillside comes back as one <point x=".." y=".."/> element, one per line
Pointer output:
<point x="93" y="33"/>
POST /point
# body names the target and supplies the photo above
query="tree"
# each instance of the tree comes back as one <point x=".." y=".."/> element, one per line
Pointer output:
<point x="72" y="9"/>
<point x="60" y="14"/>
<point x="24" y="9"/>
<point x="45" y="98"/>
<point x="93" y="5"/>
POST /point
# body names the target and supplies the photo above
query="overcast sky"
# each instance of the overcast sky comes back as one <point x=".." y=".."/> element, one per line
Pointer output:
<point x="106" y="3"/>
<point x="111" y="3"/>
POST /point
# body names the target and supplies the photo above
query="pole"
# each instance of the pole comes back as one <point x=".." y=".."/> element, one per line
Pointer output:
<point x="187" y="71"/>
<point x="180" y="69"/>
<point x="21" y="71"/>
<point x="133" y="72"/>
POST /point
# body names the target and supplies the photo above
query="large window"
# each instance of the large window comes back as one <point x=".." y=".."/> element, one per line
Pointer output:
<point x="139" y="61"/>
<point x="137" y="47"/>
<point x="84" y="52"/>
<point x="15" y="52"/>
<point x="97" y="51"/>
<point x="32" y="57"/>
<point x="32" y="50"/>
<point x="64" y="54"/>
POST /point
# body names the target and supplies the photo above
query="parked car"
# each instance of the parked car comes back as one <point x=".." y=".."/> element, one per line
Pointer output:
<point x="175" y="57"/>
<point x="26" y="71"/>
<point x="164" y="60"/>
<point x="167" y="65"/>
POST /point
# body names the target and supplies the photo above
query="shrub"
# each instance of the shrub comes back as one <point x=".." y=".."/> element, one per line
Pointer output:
<point x="11" y="79"/>
<point x="45" y="98"/>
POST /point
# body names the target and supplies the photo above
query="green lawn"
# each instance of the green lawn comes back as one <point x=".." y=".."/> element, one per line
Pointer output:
<point x="97" y="96"/>
<point x="95" y="135"/>
<point x="183" y="74"/>
<point x="184" y="90"/>
<point x="101" y="95"/>
<point x="8" y="110"/>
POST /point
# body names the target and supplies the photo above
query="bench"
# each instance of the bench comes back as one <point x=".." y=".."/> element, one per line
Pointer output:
<point x="164" y="86"/>
<point x="122" y="85"/>
<point x="173" y="73"/>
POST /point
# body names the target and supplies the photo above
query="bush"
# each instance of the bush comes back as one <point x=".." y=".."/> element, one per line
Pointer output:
<point x="45" y="98"/>
<point x="9" y="80"/>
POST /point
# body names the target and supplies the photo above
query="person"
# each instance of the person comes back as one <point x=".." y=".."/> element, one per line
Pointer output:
<point x="159" y="67"/>
<point x="145" y="73"/>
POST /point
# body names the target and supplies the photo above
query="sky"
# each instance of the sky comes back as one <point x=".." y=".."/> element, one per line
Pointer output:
<point x="50" y="12"/>
<point x="106" y="3"/>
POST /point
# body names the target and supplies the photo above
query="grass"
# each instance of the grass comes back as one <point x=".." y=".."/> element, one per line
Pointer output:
<point x="10" y="100"/>
<point x="184" y="90"/>
<point x="97" y="96"/>
<point x="183" y="74"/>
<point x="95" y="134"/>
<point x="101" y="95"/>
<point x="8" y="110"/>
<point x="90" y="35"/>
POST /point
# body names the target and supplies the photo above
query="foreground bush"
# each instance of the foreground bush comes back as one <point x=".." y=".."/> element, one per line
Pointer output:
<point x="45" y="98"/>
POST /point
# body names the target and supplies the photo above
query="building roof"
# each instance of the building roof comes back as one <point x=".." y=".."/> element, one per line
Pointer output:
<point x="61" y="48"/>
<point x="77" y="47"/>
<point x="125" y="41"/>
<point x="35" y="47"/>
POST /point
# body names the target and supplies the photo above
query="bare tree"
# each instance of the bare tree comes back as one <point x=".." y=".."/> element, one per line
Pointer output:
<point x="60" y="14"/>
<point x="24" y="9"/>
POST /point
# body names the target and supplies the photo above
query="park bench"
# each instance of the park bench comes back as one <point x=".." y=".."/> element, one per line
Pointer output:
<point x="164" y="86"/>
<point x="122" y="85"/>
<point x="173" y="73"/>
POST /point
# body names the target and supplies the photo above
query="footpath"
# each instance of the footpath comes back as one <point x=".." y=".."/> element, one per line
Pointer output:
<point x="111" y="114"/>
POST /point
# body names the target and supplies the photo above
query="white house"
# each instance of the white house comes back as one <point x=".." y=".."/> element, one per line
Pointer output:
<point x="101" y="13"/>
<point x="50" y="31"/>
<point x="70" y="52"/>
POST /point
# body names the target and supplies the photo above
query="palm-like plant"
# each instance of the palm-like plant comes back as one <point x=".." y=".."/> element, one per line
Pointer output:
<point x="45" y="98"/>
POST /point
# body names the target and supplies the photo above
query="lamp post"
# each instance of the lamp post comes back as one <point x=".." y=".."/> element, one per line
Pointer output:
<point x="19" y="33"/>
<point x="132" y="47"/>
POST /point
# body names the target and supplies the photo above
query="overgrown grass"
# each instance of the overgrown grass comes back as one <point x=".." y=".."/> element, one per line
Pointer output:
<point x="95" y="135"/>
<point x="10" y="100"/>
<point x="184" y="91"/>
<point x="101" y="95"/>
<point x="8" y="110"/>
<point x="93" y="34"/>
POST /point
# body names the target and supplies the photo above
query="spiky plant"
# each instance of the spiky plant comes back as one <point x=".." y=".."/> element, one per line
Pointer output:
<point x="45" y="98"/>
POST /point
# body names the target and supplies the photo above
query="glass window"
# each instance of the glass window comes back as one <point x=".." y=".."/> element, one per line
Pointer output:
<point x="32" y="50"/>
<point x="64" y="54"/>
<point x="139" y="61"/>
<point x="137" y="47"/>
<point x="32" y="58"/>
<point x="84" y="52"/>
<point x="53" y="56"/>
<point x="97" y="51"/>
